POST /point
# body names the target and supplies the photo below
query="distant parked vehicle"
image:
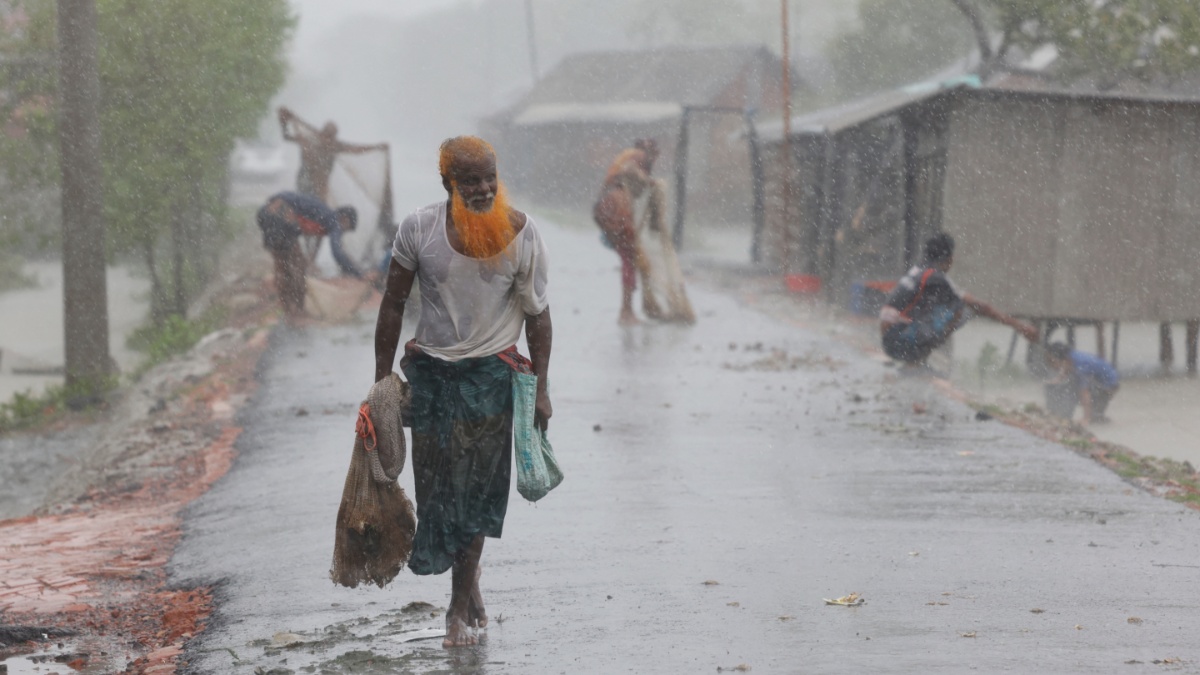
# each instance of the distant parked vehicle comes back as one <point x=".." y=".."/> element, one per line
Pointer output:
<point x="257" y="161"/>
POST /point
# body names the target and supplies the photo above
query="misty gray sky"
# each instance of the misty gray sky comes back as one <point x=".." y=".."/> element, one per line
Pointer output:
<point x="318" y="16"/>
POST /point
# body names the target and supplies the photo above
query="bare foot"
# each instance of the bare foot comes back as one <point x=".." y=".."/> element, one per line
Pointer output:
<point x="628" y="318"/>
<point x="458" y="634"/>
<point x="476" y="616"/>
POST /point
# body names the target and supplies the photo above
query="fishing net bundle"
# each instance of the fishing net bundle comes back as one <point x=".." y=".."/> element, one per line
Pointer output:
<point x="666" y="280"/>
<point x="376" y="521"/>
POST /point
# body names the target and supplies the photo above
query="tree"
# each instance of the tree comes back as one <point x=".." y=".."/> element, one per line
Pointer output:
<point x="1109" y="40"/>
<point x="85" y="300"/>
<point x="180" y="80"/>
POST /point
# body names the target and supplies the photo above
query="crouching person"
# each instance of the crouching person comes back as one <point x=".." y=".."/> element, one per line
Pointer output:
<point x="1079" y="379"/>
<point x="926" y="307"/>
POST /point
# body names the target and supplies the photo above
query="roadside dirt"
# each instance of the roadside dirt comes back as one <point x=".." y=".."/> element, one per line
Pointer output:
<point x="86" y="572"/>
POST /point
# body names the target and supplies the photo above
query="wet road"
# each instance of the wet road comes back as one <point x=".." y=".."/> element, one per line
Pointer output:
<point x="715" y="493"/>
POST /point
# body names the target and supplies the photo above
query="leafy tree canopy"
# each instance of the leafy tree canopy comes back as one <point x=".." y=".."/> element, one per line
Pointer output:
<point x="1108" y="40"/>
<point x="180" y="81"/>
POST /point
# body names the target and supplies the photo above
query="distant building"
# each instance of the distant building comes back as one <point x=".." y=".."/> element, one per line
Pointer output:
<point x="556" y="142"/>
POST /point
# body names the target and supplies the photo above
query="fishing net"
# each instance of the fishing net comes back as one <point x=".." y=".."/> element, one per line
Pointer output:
<point x="666" y="278"/>
<point x="376" y="521"/>
<point x="364" y="181"/>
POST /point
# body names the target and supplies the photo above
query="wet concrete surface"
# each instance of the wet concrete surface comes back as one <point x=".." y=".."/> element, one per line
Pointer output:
<point x="720" y="481"/>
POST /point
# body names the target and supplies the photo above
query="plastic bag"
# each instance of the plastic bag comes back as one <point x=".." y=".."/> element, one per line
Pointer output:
<point x="537" y="470"/>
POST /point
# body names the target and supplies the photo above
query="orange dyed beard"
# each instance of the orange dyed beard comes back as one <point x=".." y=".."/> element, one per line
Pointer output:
<point x="482" y="235"/>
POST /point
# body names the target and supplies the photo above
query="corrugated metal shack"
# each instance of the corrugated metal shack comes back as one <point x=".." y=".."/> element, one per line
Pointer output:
<point x="556" y="142"/>
<point x="1065" y="206"/>
<point x="866" y="183"/>
<point x="1084" y="207"/>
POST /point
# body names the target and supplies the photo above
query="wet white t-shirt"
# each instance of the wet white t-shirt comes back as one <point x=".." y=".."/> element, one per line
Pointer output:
<point x="470" y="307"/>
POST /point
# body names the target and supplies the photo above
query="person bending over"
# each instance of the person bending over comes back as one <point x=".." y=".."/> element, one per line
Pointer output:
<point x="310" y="216"/>
<point x="1079" y="378"/>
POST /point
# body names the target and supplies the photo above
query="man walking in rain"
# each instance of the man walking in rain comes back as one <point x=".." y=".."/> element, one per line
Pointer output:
<point x="481" y="268"/>
<point x="926" y="307"/>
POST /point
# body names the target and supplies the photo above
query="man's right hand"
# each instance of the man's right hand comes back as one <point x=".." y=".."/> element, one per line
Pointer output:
<point x="284" y="113"/>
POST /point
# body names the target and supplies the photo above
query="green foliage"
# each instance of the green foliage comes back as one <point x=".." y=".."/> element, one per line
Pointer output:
<point x="901" y="41"/>
<point x="898" y="42"/>
<point x="1109" y="41"/>
<point x="180" y="80"/>
<point x="173" y="335"/>
<point x="26" y="410"/>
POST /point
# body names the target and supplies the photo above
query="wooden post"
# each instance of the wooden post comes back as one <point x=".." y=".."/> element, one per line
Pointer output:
<point x="1099" y="338"/>
<point x="1115" y="341"/>
<point x="681" y="161"/>
<point x="85" y="292"/>
<point x="1193" y="335"/>
<point x="786" y="85"/>
<point x="531" y="35"/>
<point x="758" y="185"/>
<point x="1166" y="347"/>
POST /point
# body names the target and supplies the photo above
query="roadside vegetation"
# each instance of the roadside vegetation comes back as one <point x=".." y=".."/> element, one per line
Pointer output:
<point x="1177" y="481"/>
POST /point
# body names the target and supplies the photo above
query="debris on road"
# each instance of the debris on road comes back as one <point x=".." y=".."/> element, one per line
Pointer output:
<point x="852" y="600"/>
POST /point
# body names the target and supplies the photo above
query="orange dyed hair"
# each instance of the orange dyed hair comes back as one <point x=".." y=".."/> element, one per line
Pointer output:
<point x="462" y="147"/>
<point x="483" y="235"/>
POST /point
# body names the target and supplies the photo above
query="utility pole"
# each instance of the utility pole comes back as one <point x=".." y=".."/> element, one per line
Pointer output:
<point x="531" y="34"/>
<point x="85" y="292"/>
<point x="787" y="137"/>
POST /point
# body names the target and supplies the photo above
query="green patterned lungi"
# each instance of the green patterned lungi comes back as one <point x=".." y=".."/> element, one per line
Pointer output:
<point x="461" y="418"/>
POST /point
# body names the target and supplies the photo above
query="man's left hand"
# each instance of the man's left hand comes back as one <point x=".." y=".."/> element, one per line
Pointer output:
<point x="542" y="410"/>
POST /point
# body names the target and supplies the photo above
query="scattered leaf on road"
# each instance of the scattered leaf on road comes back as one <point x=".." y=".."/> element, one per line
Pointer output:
<point x="851" y="600"/>
<point x="1037" y="610"/>
<point x="712" y="582"/>
<point x="1134" y="620"/>
<point x="969" y="634"/>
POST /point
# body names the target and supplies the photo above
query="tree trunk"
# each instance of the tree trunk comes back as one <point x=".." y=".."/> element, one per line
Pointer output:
<point x="85" y="296"/>
<point x="179" y="297"/>
<point x="986" y="56"/>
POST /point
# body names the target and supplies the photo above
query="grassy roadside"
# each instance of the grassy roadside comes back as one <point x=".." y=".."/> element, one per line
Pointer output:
<point x="27" y="411"/>
<point x="1177" y="481"/>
